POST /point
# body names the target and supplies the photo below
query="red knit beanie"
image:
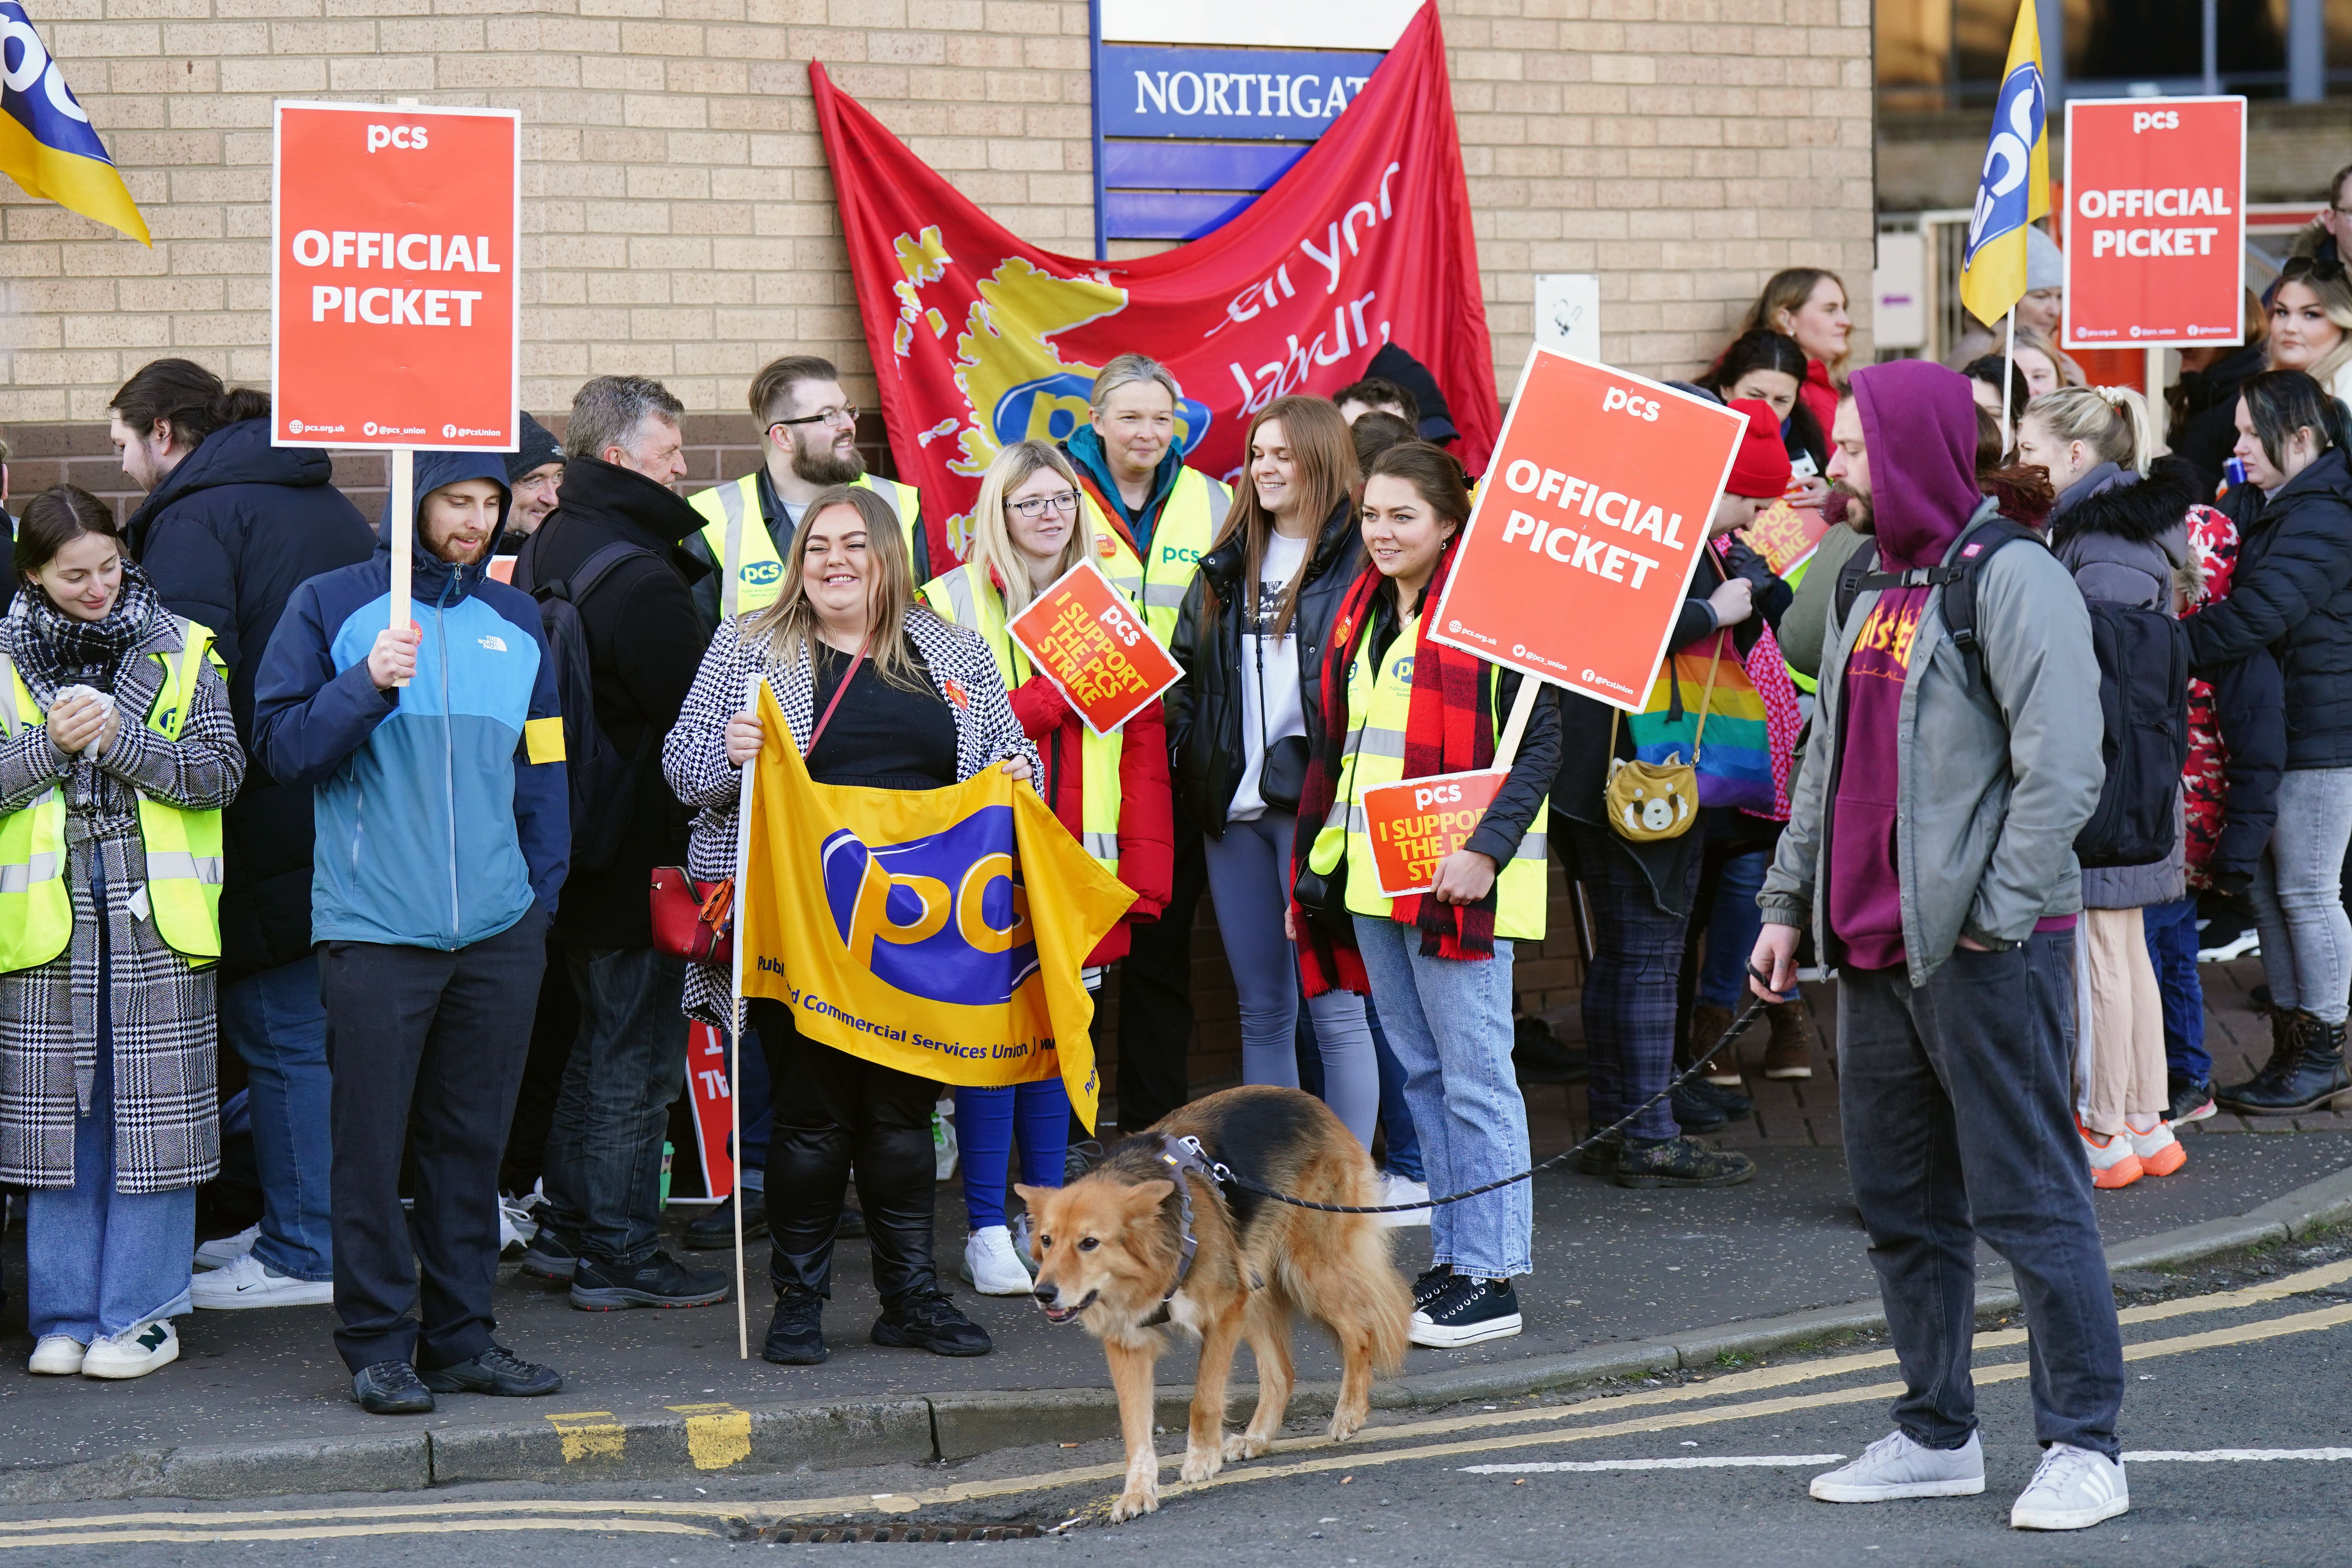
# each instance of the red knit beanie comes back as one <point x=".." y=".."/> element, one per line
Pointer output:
<point x="1761" y="467"/>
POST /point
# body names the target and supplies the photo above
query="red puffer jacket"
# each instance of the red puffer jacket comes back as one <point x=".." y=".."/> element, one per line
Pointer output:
<point x="1147" y="823"/>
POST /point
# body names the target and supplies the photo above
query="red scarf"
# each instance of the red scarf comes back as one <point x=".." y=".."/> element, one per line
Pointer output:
<point x="1449" y="729"/>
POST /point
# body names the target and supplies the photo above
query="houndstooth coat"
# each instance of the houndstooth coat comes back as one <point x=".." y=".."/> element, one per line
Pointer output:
<point x="165" y="1102"/>
<point x="694" y="758"/>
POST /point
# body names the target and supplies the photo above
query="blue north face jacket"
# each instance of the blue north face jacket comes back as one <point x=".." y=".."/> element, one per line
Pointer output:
<point x="441" y="807"/>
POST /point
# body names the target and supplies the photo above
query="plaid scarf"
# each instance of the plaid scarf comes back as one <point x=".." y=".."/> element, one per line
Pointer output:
<point x="1449" y="728"/>
<point x="53" y="649"/>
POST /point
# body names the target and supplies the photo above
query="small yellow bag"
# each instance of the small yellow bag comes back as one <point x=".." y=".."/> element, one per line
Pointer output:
<point x="1651" y="802"/>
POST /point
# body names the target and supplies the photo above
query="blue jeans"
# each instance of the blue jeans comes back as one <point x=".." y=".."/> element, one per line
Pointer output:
<point x="97" y="1261"/>
<point x="1733" y="922"/>
<point x="1396" y="1112"/>
<point x="2172" y="948"/>
<point x="1449" y="1021"/>
<point x="278" y="1025"/>
<point x="985" y="1132"/>
<point x="603" y="1151"/>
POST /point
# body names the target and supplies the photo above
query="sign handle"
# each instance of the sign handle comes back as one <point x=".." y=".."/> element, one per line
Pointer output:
<point x="735" y="1034"/>
<point x="404" y="532"/>
<point x="1514" y="728"/>
<point x="2156" y="409"/>
<point x="2007" y="372"/>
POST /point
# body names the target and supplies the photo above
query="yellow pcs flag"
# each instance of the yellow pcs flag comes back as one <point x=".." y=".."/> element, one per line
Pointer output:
<point x="937" y="932"/>
<point x="47" y="144"/>
<point x="2013" y="188"/>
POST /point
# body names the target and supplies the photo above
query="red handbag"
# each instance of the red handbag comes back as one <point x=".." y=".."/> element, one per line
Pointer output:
<point x="695" y="921"/>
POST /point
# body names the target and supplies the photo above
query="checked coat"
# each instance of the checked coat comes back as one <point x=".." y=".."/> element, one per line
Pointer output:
<point x="695" y="760"/>
<point x="165" y="1098"/>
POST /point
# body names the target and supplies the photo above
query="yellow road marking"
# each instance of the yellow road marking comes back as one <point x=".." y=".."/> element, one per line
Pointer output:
<point x="717" y="1435"/>
<point x="548" y="1515"/>
<point x="590" y="1433"/>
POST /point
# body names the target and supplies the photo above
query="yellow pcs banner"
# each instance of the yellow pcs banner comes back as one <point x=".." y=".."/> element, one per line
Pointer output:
<point x="937" y="932"/>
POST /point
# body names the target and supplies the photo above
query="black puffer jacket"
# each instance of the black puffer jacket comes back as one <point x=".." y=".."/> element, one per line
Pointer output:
<point x="226" y="538"/>
<point x="2293" y="592"/>
<point x="1205" y="709"/>
<point x="2209" y="413"/>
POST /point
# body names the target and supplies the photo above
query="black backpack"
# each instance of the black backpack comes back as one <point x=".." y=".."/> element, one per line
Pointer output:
<point x="2143" y="693"/>
<point x="602" y="779"/>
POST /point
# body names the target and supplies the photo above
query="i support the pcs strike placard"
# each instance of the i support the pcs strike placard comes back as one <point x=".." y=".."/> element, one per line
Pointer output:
<point x="2155" y="225"/>
<point x="1588" y="527"/>
<point x="394" y="309"/>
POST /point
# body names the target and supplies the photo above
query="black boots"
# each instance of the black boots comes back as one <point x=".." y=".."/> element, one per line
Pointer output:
<point x="2305" y="1070"/>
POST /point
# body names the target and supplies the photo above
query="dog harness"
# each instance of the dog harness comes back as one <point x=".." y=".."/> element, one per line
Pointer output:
<point x="1183" y="1157"/>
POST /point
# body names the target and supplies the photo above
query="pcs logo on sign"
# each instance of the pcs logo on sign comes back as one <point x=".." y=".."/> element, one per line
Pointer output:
<point x="760" y="574"/>
<point x="939" y="916"/>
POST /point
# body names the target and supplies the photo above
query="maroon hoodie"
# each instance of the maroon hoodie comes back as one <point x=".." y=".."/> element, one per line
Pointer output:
<point x="1919" y="431"/>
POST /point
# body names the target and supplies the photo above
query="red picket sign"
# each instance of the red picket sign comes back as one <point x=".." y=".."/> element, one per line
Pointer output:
<point x="1418" y="823"/>
<point x="1083" y="636"/>
<point x="2156" y="226"/>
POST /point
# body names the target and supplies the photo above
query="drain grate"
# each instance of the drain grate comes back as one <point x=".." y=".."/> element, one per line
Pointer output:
<point x="817" y="1534"/>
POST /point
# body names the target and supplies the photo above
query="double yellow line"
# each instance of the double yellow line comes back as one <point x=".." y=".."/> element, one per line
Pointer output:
<point x="662" y="1518"/>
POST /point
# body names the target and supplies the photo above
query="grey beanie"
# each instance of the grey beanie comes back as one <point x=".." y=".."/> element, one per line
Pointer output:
<point x="2045" y="264"/>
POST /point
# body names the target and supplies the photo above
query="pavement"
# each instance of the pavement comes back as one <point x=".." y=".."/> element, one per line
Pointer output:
<point x="1624" y="1282"/>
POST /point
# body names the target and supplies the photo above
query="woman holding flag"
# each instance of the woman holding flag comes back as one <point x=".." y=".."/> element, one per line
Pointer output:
<point x="889" y="696"/>
<point x="1398" y="706"/>
<point x="1111" y="790"/>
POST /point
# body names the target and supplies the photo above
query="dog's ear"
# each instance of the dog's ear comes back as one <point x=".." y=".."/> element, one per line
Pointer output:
<point x="1145" y="1197"/>
<point x="1035" y="1197"/>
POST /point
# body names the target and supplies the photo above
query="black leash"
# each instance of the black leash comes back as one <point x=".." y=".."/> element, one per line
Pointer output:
<point x="1747" y="1015"/>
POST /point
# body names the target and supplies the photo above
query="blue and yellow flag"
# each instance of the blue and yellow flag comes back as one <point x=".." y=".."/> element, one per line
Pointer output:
<point x="937" y="932"/>
<point x="47" y="143"/>
<point x="2014" y="188"/>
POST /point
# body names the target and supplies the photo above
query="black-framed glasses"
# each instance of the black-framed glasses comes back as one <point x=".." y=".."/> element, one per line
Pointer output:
<point x="845" y="416"/>
<point x="2317" y="267"/>
<point x="1036" y="506"/>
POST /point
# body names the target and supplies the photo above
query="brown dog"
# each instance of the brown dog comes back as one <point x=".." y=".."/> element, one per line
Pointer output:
<point x="1110" y="1243"/>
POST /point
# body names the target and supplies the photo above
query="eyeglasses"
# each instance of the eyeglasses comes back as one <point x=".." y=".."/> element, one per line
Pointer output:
<point x="2317" y="267"/>
<point x="847" y="415"/>
<point x="1036" y="506"/>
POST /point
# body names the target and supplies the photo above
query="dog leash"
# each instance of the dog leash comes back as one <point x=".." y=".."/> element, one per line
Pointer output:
<point x="1220" y="1173"/>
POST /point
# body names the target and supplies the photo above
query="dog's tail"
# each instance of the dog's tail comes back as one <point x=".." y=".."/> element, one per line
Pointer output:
<point x="1366" y="1292"/>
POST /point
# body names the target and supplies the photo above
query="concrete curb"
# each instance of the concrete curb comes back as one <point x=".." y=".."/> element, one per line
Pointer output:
<point x="843" y="1435"/>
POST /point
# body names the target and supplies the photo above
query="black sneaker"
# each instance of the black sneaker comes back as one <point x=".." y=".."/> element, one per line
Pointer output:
<point x="392" y="1388"/>
<point x="1599" y="1158"/>
<point x="927" y="1320"/>
<point x="1430" y="1285"/>
<point x="796" y="1333"/>
<point x="1470" y="1310"/>
<point x="2192" y="1099"/>
<point x="1726" y="1099"/>
<point x="1693" y="1110"/>
<point x="497" y="1370"/>
<point x="715" y="1231"/>
<point x="1539" y="1056"/>
<point x="550" y="1257"/>
<point x="1681" y="1162"/>
<point x="659" y="1281"/>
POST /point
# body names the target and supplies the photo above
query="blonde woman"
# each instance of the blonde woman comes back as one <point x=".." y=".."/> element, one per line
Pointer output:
<point x="915" y="704"/>
<point x="1029" y="527"/>
<point x="2311" y="324"/>
<point x="1809" y="305"/>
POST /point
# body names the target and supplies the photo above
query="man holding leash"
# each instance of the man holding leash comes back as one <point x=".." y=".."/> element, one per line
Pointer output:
<point x="1930" y="845"/>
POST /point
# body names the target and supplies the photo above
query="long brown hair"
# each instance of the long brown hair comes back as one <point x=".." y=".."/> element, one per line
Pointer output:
<point x="1325" y="456"/>
<point x="1788" y="290"/>
<point x="790" y="624"/>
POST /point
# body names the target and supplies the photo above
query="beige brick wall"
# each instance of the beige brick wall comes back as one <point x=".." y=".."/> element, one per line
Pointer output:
<point x="679" y="214"/>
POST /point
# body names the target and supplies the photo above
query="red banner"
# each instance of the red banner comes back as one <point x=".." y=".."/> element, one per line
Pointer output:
<point x="980" y="338"/>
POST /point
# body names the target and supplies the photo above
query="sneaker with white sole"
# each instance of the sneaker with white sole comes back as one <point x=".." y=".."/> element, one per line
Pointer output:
<point x="1470" y="1310"/>
<point x="1896" y="1466"/>
<point x="2160" y="1153"/>
<point x="58" y="1355"/>
<point x="2113" y="1163"/>
<point x="1396" y="1189"/>
<point x="250" y="1282"/>
<point x="2073" y="1488"/>
<point x="223" y="1250"/>
<point x="134" y="1353"/>
<point x="517" y="1225"/>
<point x="991" y="1266"/>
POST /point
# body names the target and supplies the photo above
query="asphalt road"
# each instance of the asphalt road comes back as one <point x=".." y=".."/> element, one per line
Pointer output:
<point x="2246" y="1355"/>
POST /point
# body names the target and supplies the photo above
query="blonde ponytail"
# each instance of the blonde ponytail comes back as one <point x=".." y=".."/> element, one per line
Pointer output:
<point x="2112" y="421"/>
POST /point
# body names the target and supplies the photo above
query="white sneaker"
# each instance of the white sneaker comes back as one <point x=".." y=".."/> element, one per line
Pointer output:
<point x="1896" y="1466"/>
<point x="58" y="1355"/>
<point x="992" y="1267"/>
<point x="250" y="1282"/>
<point x="2073" y="1488"/>
<point x="517" y="1226"/>
<point x="1396" y="1189"/>
<point x="2160" y="1153"/>
<point x="133" y="1353"/>
<point x="222" y="1251"/>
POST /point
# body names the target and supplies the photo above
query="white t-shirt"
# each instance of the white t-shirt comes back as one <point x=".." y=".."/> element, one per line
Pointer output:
<point x="1270" y="706"/>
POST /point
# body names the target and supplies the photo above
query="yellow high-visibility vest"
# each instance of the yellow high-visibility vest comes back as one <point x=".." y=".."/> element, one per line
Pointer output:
<point x="1187" y="527"/>
<point x="1379" y="700"/>
<point x="750" y="572"/>
<point x="184" y="848"/>
<point x="966" y="596"/>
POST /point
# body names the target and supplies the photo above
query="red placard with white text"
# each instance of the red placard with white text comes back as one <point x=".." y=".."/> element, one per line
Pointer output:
<point x="395" y="317"/>
<point x="1083" y="636"/>
<point x="1588" y="527"/>
<point x="2156" y="228"/>
<point x="1418" y="823"/>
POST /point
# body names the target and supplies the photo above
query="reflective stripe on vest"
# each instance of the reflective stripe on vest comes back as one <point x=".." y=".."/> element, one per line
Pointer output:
<point x="1188" y="524"/>
<point x="1373" y="754"/>
<point x="750" y="572"/>
<point x="183" y="852"/>
<point x="966" y="597"/>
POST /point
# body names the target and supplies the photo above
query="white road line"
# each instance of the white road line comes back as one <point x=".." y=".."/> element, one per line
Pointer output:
<point x="2221" y="1456"/>
<point x="1679" y="1462"/>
